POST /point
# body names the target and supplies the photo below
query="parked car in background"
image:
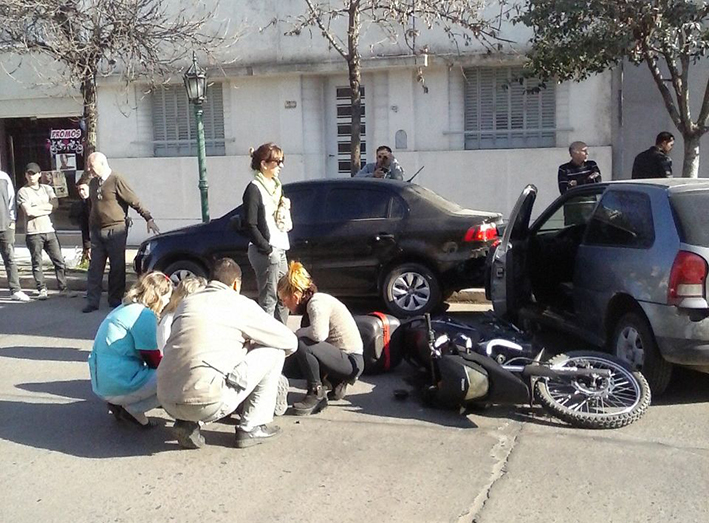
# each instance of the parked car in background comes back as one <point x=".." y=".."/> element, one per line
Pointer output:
<point x="620" y="264"/>
<point x="357" y="237"/>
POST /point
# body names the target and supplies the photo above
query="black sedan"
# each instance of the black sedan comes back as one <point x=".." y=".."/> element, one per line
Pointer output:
<point x="357" y="237"/>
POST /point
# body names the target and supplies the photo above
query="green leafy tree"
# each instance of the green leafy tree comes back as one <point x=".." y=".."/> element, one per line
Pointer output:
<point x="577" y="38"/>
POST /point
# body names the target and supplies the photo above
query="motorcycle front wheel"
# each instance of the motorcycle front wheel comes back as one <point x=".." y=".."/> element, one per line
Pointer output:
<point x="594" y="402"/>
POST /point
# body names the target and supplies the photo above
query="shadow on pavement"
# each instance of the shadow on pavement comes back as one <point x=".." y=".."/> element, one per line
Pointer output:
<point x="687" y="386"/>
<point x="74" y="389"/>
<point x="382" y="402"/>
<point x="45" y="353"/>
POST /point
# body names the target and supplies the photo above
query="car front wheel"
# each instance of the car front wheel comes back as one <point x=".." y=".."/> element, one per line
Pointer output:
<point x="180" y="270"/>
<point x="411" y="289"/>
<point x="634" y="343"/>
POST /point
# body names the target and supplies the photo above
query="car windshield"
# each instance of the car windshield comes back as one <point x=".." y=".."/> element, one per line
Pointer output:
<point x="691" y="216"/>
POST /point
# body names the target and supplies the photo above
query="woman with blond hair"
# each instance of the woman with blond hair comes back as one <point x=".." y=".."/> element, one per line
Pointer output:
<point x="266" y="218"/>
<point x="329" y="343"/>
<point x="125" y="353"/>
<point x="187" y="286"/>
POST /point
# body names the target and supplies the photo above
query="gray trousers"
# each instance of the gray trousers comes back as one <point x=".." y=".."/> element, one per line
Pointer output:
<point x="7" y="250"/>
<point x="269" y="268"/>
<point x="36" y="243"/>
<point x="107" y="243"/>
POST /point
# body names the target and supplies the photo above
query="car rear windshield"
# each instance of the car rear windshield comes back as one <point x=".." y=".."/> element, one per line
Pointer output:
<point x="690" y="209"/>
<point x="436" y="199"/>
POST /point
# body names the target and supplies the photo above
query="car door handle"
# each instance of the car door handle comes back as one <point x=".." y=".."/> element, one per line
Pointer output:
<point x="383" y="236"/>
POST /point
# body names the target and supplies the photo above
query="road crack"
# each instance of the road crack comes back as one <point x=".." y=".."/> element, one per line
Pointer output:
<point x="500" y="452"/>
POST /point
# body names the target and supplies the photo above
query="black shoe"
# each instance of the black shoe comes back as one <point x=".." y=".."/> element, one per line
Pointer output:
<point x="187" y="434"/>
<point x="89" y="308"/>
<point x="313" y="402"/>
<point x="121" y="414"/>
<point x="338" y="391"/>
<point x="260" y="434"/>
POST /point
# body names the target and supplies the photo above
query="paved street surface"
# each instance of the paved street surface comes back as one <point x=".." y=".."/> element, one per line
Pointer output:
<point x="367" y="458"/>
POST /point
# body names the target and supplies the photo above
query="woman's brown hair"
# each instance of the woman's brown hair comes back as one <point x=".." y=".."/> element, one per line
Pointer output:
<point x="149" y="290"/>
<point x="267" y="152"/>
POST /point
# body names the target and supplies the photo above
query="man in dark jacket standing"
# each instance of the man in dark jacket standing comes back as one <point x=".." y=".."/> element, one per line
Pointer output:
<point x="655" y="162"/>
<point x="579" y="171"/>
<point x="110" y="197"/>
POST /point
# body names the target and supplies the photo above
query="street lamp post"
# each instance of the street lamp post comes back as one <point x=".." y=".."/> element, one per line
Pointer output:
<point x="196" y="86"/>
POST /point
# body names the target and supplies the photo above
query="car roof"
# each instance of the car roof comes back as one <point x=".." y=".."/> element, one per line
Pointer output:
<point x="350" y="181"/>
<point x="673" y="184"/>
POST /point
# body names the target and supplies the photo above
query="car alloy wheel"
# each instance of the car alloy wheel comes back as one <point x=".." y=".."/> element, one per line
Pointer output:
<point x="180" y="270"/>
<point x="411" y="291"/>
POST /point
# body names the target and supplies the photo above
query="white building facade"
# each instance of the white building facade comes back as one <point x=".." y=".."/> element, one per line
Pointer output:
<point x="476" y="137"/>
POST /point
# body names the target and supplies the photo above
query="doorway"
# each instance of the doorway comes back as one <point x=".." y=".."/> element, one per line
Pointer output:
<point x="56" y="145"/>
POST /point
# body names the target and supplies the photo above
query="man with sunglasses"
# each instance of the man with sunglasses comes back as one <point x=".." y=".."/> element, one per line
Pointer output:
<point x="386" y="166"/>
<point x="110" y="197"/>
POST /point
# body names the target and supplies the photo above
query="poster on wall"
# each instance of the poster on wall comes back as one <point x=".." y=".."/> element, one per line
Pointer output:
<point x="57" y="180"/>
<point x="65" y="162"/>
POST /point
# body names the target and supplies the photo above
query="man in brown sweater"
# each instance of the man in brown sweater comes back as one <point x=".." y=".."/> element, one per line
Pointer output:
<point x="110" y="197"/>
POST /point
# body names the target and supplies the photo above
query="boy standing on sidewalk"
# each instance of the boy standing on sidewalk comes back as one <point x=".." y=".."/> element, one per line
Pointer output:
<point x="7" y="236"/>
<point x="38" y="201"/>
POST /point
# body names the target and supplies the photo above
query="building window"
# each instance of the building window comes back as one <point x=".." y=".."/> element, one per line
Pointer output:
<point x="174" y="127"/>
<point x="344" y="130"/>
<point x="502" y="113"/>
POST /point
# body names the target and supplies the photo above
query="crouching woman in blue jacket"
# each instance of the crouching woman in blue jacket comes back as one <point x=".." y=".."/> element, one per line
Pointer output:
<point x="125" y="353"/>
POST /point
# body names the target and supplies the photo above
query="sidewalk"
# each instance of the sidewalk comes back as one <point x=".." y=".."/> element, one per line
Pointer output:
<point x="76" y="278"/>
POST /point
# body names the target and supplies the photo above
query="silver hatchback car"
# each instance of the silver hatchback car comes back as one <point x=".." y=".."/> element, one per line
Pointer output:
<point x="623" y="265"/>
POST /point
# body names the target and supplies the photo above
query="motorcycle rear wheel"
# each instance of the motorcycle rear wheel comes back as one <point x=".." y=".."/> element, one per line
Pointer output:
<point x="594" y="402"/>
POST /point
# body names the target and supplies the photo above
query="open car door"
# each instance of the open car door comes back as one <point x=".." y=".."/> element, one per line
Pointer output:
<point x="509" y="285"/>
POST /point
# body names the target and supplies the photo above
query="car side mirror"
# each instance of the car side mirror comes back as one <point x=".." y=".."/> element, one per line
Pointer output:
<point x="235" y="223"/>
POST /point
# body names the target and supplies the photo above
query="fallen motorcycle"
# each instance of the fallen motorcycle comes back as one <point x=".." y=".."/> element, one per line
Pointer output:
<point x="470" y="366"/>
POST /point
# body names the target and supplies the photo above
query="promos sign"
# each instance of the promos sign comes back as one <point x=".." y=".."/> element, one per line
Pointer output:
<point x="66" y="141"/>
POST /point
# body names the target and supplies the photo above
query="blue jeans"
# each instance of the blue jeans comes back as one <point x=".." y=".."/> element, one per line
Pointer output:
<point x="7" y="251"/>
<point x="269" y="268"/>
<point x="36" y="243"/>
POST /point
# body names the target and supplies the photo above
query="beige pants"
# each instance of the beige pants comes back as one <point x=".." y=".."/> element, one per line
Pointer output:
<point x="261" y="370"/>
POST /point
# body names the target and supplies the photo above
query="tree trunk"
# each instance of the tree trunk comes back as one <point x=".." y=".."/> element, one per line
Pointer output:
<point x="356" y="98"/>
<point x="353" y="67"/>
<point x="88" y="93"/>
<point x="690" y="167"/>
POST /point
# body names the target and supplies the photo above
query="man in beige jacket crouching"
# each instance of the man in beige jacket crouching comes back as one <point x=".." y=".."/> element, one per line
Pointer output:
<point x="223" y="350"/>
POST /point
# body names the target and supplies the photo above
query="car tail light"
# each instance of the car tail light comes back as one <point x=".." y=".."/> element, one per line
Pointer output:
<point x="481" y="233"/>
<point x="688" y="277"/>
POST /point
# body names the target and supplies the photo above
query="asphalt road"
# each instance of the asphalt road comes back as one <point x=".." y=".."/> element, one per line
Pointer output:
<point x="366" y="458"/>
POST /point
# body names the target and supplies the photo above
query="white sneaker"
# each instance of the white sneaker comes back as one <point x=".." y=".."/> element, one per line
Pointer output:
<point x="42" y="295"/>
<point x="20" y="296"/>
<point x="282" y="397"/>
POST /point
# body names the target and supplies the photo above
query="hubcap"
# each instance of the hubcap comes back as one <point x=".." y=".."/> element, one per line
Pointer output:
<point x="411" y="291"/>
<point x="179" y="275"/>
<point x="629" y="347"/>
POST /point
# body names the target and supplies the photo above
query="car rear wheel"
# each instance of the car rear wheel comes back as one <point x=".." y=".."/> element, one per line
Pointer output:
<point x="634" y="342"/>
<point x="180" y="270"/>
<point x="411" y="289"/>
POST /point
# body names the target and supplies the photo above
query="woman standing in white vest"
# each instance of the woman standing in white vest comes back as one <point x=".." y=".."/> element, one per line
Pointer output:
<point x="266" y="218"/>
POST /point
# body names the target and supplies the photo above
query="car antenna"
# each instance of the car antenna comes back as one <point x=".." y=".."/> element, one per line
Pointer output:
<point x="416" y="173"/>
